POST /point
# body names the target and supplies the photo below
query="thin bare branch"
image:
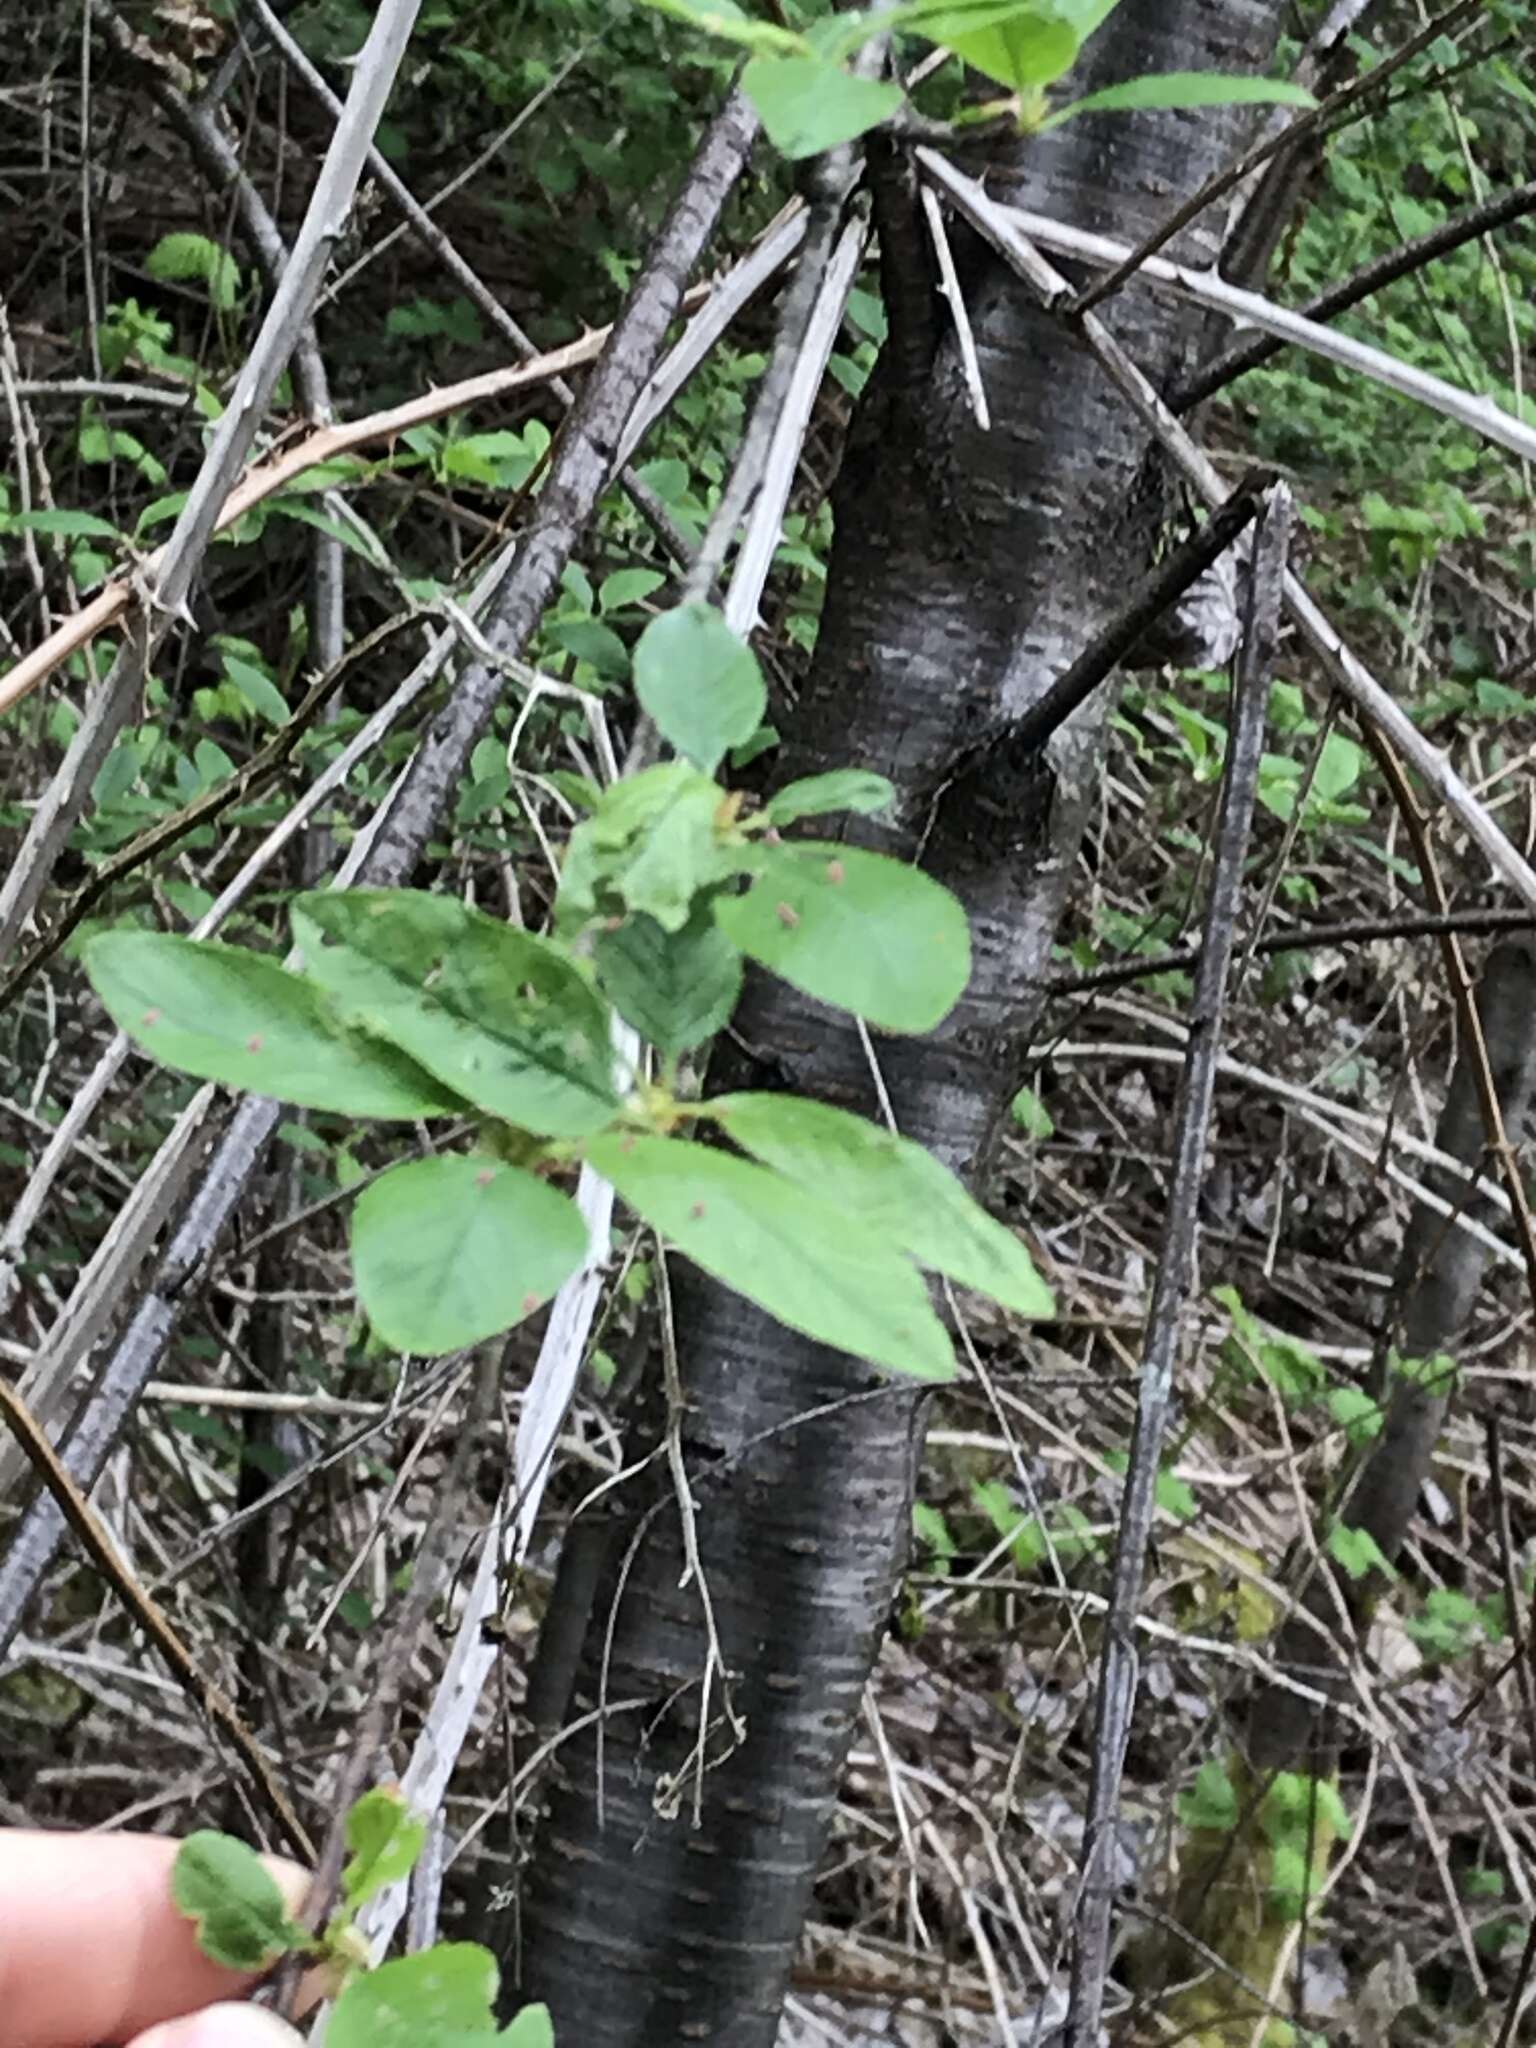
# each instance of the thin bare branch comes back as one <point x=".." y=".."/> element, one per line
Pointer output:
<point x="999" y="225"/>
<point x="1497" y="211"/>
<point x="1344" y="101"/>
<point x="1118" y="1663"/>
<point x="1205" y="288"/>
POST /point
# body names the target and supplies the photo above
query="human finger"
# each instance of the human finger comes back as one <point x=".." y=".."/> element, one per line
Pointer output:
<point x="92" y="1947"/>
<point x="221" y="2026"/>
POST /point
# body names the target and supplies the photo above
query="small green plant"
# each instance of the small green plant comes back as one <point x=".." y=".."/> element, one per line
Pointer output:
<point x="1299" y="1816"/>
<point x="1031" y="1541"/>
<point x="1357" y="1553"/>
<point x="442" y="1997"/>
<point x="1251" y="1351"/>
<point x="413" y="1006"/>
<point x="1450" y="1624"/>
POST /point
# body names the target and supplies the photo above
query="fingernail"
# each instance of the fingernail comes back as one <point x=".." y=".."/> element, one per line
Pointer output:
<point x="221" y="2026"/>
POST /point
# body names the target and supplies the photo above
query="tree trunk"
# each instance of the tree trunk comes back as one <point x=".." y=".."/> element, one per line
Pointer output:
<point x="968" y="569"/>
<point x="1434" y="1293"/>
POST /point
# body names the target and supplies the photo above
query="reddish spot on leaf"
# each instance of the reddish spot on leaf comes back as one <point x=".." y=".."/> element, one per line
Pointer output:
<point x="835" y="871"/>
<point x="697" y="1211"/>
<point x="483" y="1180"/>
<point x="530" y="1303"/>
<point x="786" y="914"/>
<point x="254" y="1042"/>
<point x="627" y="1143"/>
<point x="149" y="1017"/>
<point x="773" y="836"/>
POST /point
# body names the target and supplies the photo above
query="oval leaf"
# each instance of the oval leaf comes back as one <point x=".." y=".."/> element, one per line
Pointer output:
<point x="186" y="255"/>
<point x="804" y="1260"/>
<point x="892" y="1186"/>
<point x="677" y="988"/>
<point x="652" y="845"/>
<point x="231" y="1896"/>
<point x="449" y="1251"/>
<point x="856" y="930"/>
<point x="1185" y="89"/>
<point x="506" y="1020"/>
<point x="844" y="789"/>
<point x="419" y="2001"/>
<point x="225" y="1015"/>
<point x="385" y="1838"/>
<point x="699" y="682"/>
<point x="807" y="105"/>
<point x="58" y="519"/>
<point x="1023" y="53"/>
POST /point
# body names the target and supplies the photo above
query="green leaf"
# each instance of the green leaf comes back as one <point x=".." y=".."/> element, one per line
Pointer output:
<point x="181" y="256"/>
<point x="430" y="2000"/>
<point x="799" y="1257"/>
<point x="117" y="774"/>
<point x="1331" y="1810"/>
<point x="651" y="845"/>
<point x="677" y="988"/>
<point x="1211" y="1802"/>
<point x="844" y="789"/>
<point x="1449" y="1625"/>
<point x="449" y="1251"/>
<point x="731" y="23"/>
<point x="1290" y="1882"/>
<point x="1175" y="1496"/>
<point x="593" y="642"/>
<point x="931" y="1530"/>
<point x="943" y="20"/>
<point x="354" y="539"/>
<point x="1024" y="53"/>
<point x="96" y="443"/>
<point x="807" y="105"/>
<point x="1291" y="1366"/>
<point x="385" y="1838"/>
<point x="226" y="1015"/>
<point x="1356" y="1552"/>
<point x="60" y="519"/>
<point x="507" y="1020"/>
<point x="626" y="587"/>
<point x="1299" y="1807"/>
<point x="892" y="1186"/>
<point x="1031" y="1114"/>
<point x="856" y="930"/>
<point x="532" y="2028"/>
<point x="765" y="738"/>
<point x="233" y="1899"/>
<point x="1358" y="1413"/>
<point x="1339" y="767"/>
<point x="1437" y="1375"/>
<point x="699" y="682"/>
<point x="258" y="690"/>
<point x="1184" y="89"/>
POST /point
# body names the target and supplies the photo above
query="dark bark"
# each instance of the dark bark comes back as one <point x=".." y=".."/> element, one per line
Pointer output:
<point x="969" y="569"/>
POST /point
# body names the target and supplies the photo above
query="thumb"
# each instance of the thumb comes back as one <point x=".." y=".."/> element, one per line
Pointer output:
<point x="221" y="2026"/>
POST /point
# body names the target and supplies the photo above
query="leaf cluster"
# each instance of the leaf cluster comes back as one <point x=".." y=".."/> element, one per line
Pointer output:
<point x="409" y="1006"/>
